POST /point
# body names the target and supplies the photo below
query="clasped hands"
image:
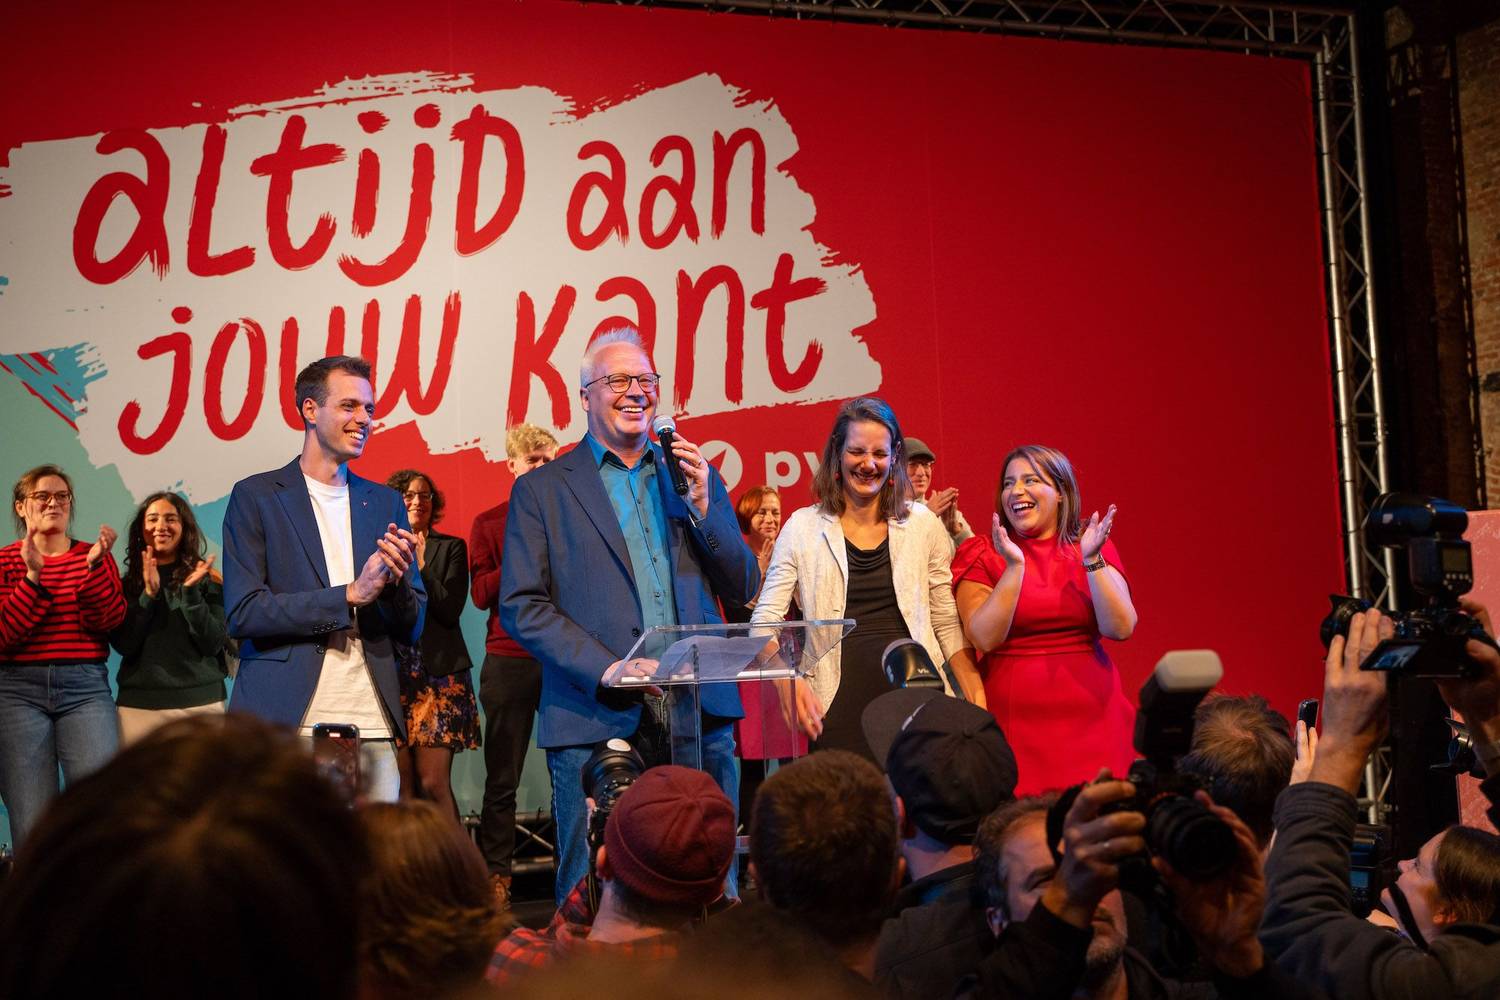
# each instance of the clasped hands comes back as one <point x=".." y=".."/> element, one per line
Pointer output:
<point x="395" y="551"/>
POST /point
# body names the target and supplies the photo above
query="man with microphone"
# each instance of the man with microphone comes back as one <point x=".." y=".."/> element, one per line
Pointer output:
<point x="610" y="539"/>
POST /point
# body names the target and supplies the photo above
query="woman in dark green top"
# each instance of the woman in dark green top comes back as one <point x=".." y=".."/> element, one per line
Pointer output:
<point x="172" y="642"/>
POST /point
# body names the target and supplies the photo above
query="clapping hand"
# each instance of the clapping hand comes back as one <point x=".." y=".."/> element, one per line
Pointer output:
<point x="1004" y="546"/>
<point x="1095" y="532"/>
<point x="150" y="574"/>
<point x="943" y="500"/>
<point x="107" y="536"/>
<point x="31" y="554"/>
<point x="204" y="567"/>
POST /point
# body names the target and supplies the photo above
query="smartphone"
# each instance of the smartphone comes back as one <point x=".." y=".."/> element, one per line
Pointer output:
<point x="336" y="751"/>
<point x="1307" y="712"/>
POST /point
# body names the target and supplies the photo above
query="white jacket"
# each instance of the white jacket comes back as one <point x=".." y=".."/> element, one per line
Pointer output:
<point x="810" y="561"/>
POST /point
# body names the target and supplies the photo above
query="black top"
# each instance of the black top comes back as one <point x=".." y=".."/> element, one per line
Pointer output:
<point x="871" y="602"/>
<point x="172" y="647"/>
<point x="445" y="574"/>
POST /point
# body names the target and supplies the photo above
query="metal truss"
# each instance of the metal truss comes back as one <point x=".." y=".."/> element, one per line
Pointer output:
<point x="1324" y="37"/>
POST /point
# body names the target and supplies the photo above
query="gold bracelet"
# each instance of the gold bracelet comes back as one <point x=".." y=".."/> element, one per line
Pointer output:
<point x="1093" y="567"/>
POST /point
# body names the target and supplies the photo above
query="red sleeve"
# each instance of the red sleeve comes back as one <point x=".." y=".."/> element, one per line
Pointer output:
<point x="484" y="558"/>
<point x="1112" y="556"/>
<point x="977" y="561"/>
<point x="101" y="598"/>
<point x="22" y="608"/>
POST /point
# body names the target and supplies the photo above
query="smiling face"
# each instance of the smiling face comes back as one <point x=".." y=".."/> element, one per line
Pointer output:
<point x="51" y="515"/>
<point x="920" y="472"/>
<point x="1029" y="499"/>
<point x="161" y="529"/>
<point x="620" y="421"/>
<point x="342" y="421"/>
<point x="766" y="521"/>
<point x="865" y="463"/>
<point x="418" y="500"/>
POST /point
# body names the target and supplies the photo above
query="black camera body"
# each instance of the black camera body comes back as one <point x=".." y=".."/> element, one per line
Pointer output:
<point x="1429" y="641"/>
<point x="1179" y="828"/>
<point x="611" y="768"/>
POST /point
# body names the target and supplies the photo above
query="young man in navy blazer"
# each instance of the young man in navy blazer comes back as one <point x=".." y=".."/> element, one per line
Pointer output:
<point x="320" y="579"/>
<point x="599" y="547"/>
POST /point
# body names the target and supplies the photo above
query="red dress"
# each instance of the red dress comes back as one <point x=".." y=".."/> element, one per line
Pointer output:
<point x="1051" y="685"/>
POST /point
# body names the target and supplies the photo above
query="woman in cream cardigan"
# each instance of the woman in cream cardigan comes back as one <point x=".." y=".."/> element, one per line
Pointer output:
<point x="863" y="551"/>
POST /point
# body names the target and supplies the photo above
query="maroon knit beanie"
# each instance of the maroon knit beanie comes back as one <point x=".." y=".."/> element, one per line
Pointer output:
<point x="670" y="838"/>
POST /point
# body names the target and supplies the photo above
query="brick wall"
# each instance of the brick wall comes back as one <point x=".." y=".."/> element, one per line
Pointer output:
<point x="1479" y="116"/>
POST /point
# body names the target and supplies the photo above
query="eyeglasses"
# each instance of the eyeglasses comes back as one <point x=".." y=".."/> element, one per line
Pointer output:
<point x="411" y="495"/>
<point x="618" y="382"/>
<point x="43" y="499"/>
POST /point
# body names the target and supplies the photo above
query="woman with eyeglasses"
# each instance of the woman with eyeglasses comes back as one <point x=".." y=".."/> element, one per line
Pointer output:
<point x="437" y="689"/>
<point x="59" y="599"/>
<point x="1036" y="598"/>
<point x="172" y="644"/>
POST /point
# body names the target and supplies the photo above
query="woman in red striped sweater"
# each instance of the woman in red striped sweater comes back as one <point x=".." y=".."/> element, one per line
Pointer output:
<point x="59" y="598"/>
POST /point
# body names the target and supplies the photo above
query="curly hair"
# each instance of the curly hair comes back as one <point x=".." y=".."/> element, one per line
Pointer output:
<point x="190" y="549"/>
<point x="400" y="480"/>
<point x="430" y="920"/>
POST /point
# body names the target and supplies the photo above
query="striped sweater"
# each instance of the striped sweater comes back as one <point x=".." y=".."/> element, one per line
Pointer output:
<point x="64" y="619"/>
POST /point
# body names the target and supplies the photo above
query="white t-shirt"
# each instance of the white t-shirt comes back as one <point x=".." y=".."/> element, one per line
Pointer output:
<point x="346" y="692"/>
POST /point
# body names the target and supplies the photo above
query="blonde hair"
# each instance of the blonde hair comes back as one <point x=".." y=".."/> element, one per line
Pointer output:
<point x="523" y="439"/>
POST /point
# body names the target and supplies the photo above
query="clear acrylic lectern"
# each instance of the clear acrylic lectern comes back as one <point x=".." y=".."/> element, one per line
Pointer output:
<point x="680" y="659"/>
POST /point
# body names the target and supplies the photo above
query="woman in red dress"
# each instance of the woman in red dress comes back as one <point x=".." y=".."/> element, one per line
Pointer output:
<point x="1035" y="600"/>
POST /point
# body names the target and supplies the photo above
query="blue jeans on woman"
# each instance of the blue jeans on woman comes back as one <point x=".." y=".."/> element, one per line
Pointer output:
<point x="51" y="715"/>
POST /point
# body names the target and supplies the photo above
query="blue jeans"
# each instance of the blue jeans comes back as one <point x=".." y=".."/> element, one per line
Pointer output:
<point x="51" y="715"/>
<point x="570" y="812"/>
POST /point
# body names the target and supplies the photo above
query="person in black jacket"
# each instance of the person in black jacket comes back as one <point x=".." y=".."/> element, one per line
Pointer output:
<point x="950" y="767"/>
<point x="437" y="689"/>
<point x="1309" y="928"/>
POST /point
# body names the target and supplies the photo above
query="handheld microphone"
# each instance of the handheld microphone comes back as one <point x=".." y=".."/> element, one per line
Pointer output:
<point x="666" y="432"/>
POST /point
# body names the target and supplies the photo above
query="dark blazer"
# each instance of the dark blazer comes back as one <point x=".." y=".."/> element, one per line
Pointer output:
<point x="446" y="577"/>
<point x="567" y="593"/>
<point x="279" y="602"/>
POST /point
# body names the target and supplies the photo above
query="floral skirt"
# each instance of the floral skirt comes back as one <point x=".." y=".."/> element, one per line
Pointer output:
<point x="440" y="711"/>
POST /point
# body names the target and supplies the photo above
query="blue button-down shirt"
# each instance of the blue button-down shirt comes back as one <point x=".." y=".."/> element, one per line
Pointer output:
<point x="643" y="520"/>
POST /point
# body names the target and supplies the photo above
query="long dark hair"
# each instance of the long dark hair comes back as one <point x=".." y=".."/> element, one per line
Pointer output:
<point x="894" y="502"/>
<point x="190" y="549"/>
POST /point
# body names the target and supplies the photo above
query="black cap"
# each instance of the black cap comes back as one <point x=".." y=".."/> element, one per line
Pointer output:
<point x="945" y="757"/>
<point x="915" y="449"/>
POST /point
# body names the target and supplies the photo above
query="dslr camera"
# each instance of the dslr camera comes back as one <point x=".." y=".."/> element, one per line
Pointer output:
<point x="611" y="768"/>
<point x="1430" y="640"/>
<point x="1179" y="828"/>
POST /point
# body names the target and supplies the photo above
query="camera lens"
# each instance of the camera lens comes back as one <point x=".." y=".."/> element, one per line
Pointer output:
<point x="1343" y="611"/>
<point x="1195" y="842"/>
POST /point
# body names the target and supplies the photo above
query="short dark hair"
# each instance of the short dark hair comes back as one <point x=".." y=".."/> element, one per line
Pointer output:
<point x="312" y="381"/>
<point x="1244" y="748"/>
<point x="895" y="499"/>
<point x="750" y="502"/>
<point x="226" y="820"/>
<point x="399" y="481"/>
<point x="1467" y="873"/>
<point x="430" y="916"/>
<point x="824" y="843"/>
<point x="989" y="846"/>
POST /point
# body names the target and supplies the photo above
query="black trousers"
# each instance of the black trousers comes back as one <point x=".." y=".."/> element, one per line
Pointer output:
<point x="510" y="688"/>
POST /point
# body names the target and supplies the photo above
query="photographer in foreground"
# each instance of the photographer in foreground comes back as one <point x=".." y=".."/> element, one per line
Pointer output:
<point x="1309" y="928"/>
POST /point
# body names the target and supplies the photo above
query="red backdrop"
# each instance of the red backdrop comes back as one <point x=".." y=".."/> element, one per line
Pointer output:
<point x="1113" y="250"/>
